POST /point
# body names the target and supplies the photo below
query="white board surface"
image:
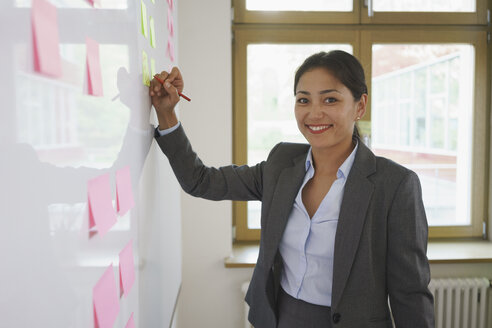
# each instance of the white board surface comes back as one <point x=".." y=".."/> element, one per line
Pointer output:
<point x="54" y="137"/>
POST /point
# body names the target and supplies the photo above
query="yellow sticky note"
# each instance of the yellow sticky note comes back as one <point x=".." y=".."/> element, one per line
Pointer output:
<point x="143" y="17"/>
<point x="145" y="69"/>
<point x="152" y="32"/>
<point x="152" y="67"/>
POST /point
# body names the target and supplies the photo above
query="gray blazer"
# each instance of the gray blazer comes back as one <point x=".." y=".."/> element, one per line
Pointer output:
<point x="380" y="243"/>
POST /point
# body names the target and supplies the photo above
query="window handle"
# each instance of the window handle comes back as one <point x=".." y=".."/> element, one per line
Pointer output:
<point x="369" y="5"/>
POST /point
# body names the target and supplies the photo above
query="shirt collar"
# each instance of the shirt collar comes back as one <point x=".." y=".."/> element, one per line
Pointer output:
<point x="343" y="170"/>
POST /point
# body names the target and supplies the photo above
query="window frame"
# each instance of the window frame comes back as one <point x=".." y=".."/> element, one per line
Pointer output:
<point x="479" y="17"/>
<point x="477" y="38"/>
<point x="361" y="37"/>
<point x="360" y="14"/>
<point x="242" y="15"/>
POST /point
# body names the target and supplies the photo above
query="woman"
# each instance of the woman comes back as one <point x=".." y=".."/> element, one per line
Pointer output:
<point x="342" y="229"/>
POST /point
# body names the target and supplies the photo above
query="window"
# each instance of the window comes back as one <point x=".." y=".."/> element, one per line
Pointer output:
<point x="427" y="93"/>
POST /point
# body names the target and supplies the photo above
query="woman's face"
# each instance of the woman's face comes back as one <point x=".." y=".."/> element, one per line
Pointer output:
<point x="326" y="110"/>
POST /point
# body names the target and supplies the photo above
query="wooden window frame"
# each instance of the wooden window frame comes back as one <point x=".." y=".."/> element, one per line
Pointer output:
<point x="479" y="17"/>
<point x="359" y="15"/>
<point x="361" y="37"/>
<point x="478" y="39"/>
<point x="241" y="15"/>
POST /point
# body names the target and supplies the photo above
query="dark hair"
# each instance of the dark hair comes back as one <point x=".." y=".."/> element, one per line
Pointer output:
<point x="345" y="67"/>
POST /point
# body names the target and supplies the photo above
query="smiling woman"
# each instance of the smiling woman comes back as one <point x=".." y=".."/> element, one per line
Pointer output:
<point x="331" y="95"/>
<point x="342" y="229"/>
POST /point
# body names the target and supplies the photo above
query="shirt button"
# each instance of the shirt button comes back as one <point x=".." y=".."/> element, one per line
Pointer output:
<point x="336" y="317"/>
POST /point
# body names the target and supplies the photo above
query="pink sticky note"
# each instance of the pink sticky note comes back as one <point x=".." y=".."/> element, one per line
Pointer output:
<point x="94" y="76"/>
<point x="46" y="42"/>
<point x="130" y="323"/>
<point x="170" y="4"/>
<point x="101" y="211"/>
<point x="124" y="194"/>
<point x="105" y="300"/>
<point x="127" y="269"/>
<point x="170" y="49"/>
<point x="170" y="22"/>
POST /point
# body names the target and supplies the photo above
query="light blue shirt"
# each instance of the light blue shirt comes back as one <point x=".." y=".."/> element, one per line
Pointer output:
<point x="307" y="245"/>
<point x="168" y="130"/>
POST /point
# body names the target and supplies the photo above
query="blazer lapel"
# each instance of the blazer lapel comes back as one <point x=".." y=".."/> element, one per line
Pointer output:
<point x="356" y="198"/>
<point x="288" y="184"/>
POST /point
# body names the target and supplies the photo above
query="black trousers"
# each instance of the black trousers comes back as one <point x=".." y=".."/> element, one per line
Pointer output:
<point x="294" y="313"/>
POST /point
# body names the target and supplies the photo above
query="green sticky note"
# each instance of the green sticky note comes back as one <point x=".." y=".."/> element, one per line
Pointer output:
<point x="143" y="17"/>
<point x="152" y="67"/>
<point x="145" y="69"/>
<point x="152" y="32"/>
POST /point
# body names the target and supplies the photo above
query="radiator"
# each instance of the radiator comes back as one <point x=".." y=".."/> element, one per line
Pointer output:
<point x="458" y="303"/>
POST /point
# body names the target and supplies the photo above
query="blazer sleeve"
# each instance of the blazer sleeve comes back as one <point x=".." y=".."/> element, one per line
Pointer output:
<point x="230" y="182"/>
<point x="407" y="265"/>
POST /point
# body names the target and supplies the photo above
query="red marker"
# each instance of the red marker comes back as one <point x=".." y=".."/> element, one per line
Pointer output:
<point x="179" y="93"/>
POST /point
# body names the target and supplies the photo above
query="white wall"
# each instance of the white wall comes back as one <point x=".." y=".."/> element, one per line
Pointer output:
<point x="211" y="295"/>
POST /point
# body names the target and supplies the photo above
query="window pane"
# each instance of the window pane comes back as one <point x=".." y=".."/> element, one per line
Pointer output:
<point x="425" y="5"/>
<point x="422" y="118"/>
<point x="295" y="5"/>
<point x="270" y="99"/>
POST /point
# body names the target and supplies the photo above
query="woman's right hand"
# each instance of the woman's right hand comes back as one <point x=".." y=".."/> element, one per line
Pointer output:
<point x="165" y="96"/>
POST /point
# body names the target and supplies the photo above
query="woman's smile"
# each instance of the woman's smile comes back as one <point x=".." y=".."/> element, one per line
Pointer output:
<point x="318" y="128"/>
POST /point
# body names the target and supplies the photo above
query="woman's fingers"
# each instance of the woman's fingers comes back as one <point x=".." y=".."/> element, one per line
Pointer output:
<point x="164" y="94"/>
<point x="173" y="93"/>
<point x="156" y="87"/>
<point x="175" y="74"/>
<point x="176" y="79"/>
<point x="164" y="90"/>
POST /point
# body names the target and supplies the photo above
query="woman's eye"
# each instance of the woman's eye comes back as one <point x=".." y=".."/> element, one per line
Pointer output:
<point x="302" y="101"/>
<point x="330" y="100"/>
